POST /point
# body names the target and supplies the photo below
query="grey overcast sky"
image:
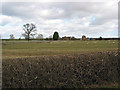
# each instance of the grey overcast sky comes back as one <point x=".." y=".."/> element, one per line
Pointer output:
<point x="90" y="18"/>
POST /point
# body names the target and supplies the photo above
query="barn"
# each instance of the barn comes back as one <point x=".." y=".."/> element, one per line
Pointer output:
<point x="66" y="38"/>
<point x="84" y="37"/>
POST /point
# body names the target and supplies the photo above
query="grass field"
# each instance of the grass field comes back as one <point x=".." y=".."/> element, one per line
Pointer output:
<point x="21" y="49"/>
<point x="60" y="64"/>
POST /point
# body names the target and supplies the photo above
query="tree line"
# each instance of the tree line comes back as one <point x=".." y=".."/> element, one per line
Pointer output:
<point x="30" y="30"/>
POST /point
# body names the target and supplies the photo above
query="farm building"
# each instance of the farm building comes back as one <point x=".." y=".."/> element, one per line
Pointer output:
<point x="66" y="38"/>
<point x="83" y="37"/>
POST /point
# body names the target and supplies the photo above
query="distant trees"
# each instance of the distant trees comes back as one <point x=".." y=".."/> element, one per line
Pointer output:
<point x="30" y="31"/>
<point x="50" y="37"/>
<point x="55" y="36"/>
<point x="73" y="38"/>
<point x="12" y="36"/>
<point x="40" y="36"/>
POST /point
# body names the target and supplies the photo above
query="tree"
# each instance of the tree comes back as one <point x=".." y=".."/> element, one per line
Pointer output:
<point x="40" y="36"/>
<point x="55" y="36"/>
<point x="100" y="38"/>
<point x="30" y="30"/>
<point x="12" y="36"/>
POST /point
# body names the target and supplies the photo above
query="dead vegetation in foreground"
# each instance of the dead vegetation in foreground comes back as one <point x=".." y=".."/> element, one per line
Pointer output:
<point x="62" y="71"/>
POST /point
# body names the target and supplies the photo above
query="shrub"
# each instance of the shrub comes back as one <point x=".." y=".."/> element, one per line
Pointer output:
<point x="62" y="71"/>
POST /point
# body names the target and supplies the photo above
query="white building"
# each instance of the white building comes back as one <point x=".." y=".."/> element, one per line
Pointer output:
<point x="40" y="36"/>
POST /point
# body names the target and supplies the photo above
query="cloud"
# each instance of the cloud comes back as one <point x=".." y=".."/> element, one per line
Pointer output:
<point x="93" y="19"/>
<point x="9" y="20"/>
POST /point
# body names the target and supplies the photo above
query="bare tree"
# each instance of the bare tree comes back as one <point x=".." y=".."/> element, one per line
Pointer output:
<point x="30" y="30"/>
<point x="12" y="36"/>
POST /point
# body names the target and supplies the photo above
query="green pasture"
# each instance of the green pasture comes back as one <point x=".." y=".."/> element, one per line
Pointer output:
<point x="22" y="49"/>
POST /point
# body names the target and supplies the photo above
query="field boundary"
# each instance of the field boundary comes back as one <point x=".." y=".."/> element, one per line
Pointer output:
<point x="0" y="63"/>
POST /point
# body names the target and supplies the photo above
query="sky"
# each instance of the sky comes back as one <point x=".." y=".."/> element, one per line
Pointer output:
<point x="91" y="18"/>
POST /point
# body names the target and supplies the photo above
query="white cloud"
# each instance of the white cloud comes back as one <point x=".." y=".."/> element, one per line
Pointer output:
<point x="9" y="20"/>
<point x="93" y="19"/>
